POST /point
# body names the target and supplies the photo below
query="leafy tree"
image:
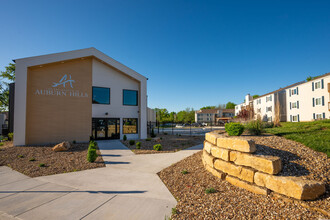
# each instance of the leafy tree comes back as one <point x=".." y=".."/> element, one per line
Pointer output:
<point x="207" y="107"/>
<point x="186" y="116"/>
<point x="230" y="105"/>
<point x="162" y="114"/>
<point x="8" y="75"/>
<point x="255" y="96"/>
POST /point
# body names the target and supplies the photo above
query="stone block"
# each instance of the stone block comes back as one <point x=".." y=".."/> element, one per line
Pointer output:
<point x="220" y="153"/>
<point x="245" y="185"/>
<point x="266" y="164"/>
<point x="215" y="172"/>
<point x="212" y="137"/>
<point x="243" y="173"/>
<point x="294" y="187"/>
<point x="208" y="159"/>
<point x="207" y="146"/>
<point x="236" y="143"/>
<point x="64" y="146"/>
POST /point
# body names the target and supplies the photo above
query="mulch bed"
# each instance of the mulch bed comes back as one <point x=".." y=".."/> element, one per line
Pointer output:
<point x="232" y="202"/>
<point x="170" y="143"/>
<point x="21" y="159"/>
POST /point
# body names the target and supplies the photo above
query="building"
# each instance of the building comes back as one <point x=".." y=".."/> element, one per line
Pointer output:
<point x="151" y="115"/>
<point x="214" y="115"/>
<point x="309" y="100"/>
<point x="265" y="107"/>
<point x="77" y="94"/>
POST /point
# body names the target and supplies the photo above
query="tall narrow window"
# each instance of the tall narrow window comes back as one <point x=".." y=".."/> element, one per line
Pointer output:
<point x="130" y="97"/>
<point x="130" y="125"/>
<point x="101" y="95"/>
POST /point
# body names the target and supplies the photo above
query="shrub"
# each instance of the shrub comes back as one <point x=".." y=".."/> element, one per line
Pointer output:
<point x="91" y="155"/>
<point x="234" y="129"/>
<point x="157" y="147"/>
<point x="92" y="145"/>
<point x="125" y="138"/>
<point x="174" y="211"/>
<point x="254" y="127"/>
<point x="152" y="133"/>
<point x="42" y="165"/>
<point x="1" y="144"/>
<point x="184" y="171"/>
<point x="74" y="142"/>
<point x="210" y="190"/>
<point x="138" y="145"/>
<point x="20" y="156"/>
<point x="148" y="139"/>
<point x="32" y="159"/>
<point x="11" y="136"/>
<point x="131" y="142"/>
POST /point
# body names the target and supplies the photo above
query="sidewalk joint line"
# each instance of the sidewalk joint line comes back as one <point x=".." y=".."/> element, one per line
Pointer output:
<point x="97" y="208"/>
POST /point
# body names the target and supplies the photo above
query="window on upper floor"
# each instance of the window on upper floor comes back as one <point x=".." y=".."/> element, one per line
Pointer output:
<point x="130" y="97"/>
<point x="101" y="95"/>
<point x="268" y="98"/>
<point x="258" y="110"/>
<point x="318" y="101"/>
<point x="269" y="109"/>
<point x="293" y="91"/>
<point x="294" y="105"/>
<point x="317" y="85"/>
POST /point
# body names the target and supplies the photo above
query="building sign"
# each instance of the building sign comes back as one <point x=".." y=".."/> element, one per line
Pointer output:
<point x="64" y="87"/>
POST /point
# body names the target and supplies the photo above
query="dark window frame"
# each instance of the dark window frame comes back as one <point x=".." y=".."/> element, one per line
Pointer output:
<point x="102" y="88"/>
<point x="137" y="97"/>
<point x="137" y="125"/>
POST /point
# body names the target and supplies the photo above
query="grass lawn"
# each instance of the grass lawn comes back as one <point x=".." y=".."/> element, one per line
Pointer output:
<point x="315" y="135"/>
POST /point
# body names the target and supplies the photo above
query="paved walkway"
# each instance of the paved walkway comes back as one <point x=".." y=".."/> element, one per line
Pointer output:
<point x="127" y="188"/>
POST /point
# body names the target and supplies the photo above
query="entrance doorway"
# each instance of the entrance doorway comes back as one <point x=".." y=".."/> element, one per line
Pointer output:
<point x="105" y="128"/>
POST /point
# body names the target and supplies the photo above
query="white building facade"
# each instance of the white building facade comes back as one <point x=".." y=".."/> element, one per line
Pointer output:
<point x="310" y="100"/>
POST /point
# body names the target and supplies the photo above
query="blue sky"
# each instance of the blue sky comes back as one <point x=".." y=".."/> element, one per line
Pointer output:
<point x="195" y="53"/>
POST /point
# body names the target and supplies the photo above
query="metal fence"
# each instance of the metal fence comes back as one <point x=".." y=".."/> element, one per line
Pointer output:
<point x="184" y="128"/>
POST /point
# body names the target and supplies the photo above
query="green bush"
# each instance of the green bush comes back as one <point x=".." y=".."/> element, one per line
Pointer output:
<point x="32" y="159"/>
<point x="157" y="147"/>
<point x="91" y="155"/>
<point x="1" y="144"/>
<point x="255" y="127"/>
<point x="11" y="136"/>
<point x="268" y="124"/>
<point x="131" y="142"/>
<point x="92" y="145"/>
<point x="138" y="145"/>
<point x="152" y="133"/>
<point x="42" y="165"/>
<point x="184" y="172"/>
<point x="125" y="138"/>
<point x="234" y="129"/>
<point x="148" y="139"/>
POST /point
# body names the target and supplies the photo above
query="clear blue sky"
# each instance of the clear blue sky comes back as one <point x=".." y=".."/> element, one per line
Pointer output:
<point x="195" y="53"/>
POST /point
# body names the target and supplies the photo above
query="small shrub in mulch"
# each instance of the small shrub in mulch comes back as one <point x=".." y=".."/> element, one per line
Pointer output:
<point x="210" y="190"/>
<point x="158" y="147"/>
<point x="125" y="138"/>
<point x="138" y="145"/>
<point x="234" y="129"/>
<point x="91" y="155"/>
<point x="42" y="165"/>
<point x="184" y="172"/>
<point x="131" y="142"/>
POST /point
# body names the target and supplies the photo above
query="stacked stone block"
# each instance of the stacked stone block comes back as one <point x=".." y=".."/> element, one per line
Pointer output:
<point x="233" y="159"/>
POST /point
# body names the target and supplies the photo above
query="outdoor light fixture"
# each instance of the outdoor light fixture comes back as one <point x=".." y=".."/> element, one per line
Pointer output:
<point x="106" y="113"/>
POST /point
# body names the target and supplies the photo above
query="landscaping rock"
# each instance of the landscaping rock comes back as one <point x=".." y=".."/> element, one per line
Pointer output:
<point x="64" y="146"/>
<point x="215" y="172"/>
<point x="247" y="186"/>
<point x="207" y="146"/>
<point x="238" y="144"/>
<point x="295" y="187"/>
<point x="243" y="173"/>
<point x="212" y="137"/>
<point x="208" y="158"/>
<point x="266" y="164"/>
<point x="220" y="153"/>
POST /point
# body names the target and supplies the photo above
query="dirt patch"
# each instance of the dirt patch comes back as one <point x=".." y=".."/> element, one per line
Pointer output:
<point x="27" y="159"/>
<point x="232" y="202"/>
<point x="170" y="143"/>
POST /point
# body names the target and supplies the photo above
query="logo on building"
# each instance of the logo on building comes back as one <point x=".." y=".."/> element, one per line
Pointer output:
<point x="64" y="81"/>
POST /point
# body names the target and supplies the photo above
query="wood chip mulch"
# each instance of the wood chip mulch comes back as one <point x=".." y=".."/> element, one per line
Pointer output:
<point x="27" y="159"/>
<point x="170" y="143"/>
<point x="230" y="202"/>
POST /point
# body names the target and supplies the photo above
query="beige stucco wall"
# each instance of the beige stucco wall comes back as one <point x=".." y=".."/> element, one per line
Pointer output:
<point x="55" y="114"/>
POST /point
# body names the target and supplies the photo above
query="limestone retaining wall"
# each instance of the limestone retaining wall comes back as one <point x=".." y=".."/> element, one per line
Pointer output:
<point x="232" y="159"/>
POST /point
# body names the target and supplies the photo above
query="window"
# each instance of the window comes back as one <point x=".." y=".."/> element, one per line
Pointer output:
<point x="130" y="125"/>
<point x="318" y="101"/>
<point x="130" y="97"/>
<point x="269" y="109"/>
<point x="269" y="98"/>
<point x="294" y="105"/>
<point x="295" y="118"/>
<point x="294" y="92"/>
<point x="258" y="101"/>
<point x="258" y="110"/>
<point x="318" y="85"/>
<point x="319" y="116"/>
<point x="101" y="95"/>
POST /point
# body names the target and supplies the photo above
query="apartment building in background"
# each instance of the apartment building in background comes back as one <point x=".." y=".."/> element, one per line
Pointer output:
<point x="214" y="115"/>
<point x="309" y="100"/>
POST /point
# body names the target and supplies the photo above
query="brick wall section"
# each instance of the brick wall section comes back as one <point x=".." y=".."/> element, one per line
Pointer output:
<point x="232" y="159"/>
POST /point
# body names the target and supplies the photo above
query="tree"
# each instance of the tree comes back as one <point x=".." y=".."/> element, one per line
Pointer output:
<point x="7" y="75"/>
<point x="162" y="114"/>
<point x="230" y="105"/>
<point x="207" y="107"/>
<point x="255" y="96"/>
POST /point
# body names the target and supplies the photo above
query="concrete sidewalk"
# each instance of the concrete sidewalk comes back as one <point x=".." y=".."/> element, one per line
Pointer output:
<point x="127" y="188"/>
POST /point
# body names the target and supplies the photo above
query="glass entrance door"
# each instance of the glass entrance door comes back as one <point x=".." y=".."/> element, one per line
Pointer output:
<point x="105" y="128"/>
